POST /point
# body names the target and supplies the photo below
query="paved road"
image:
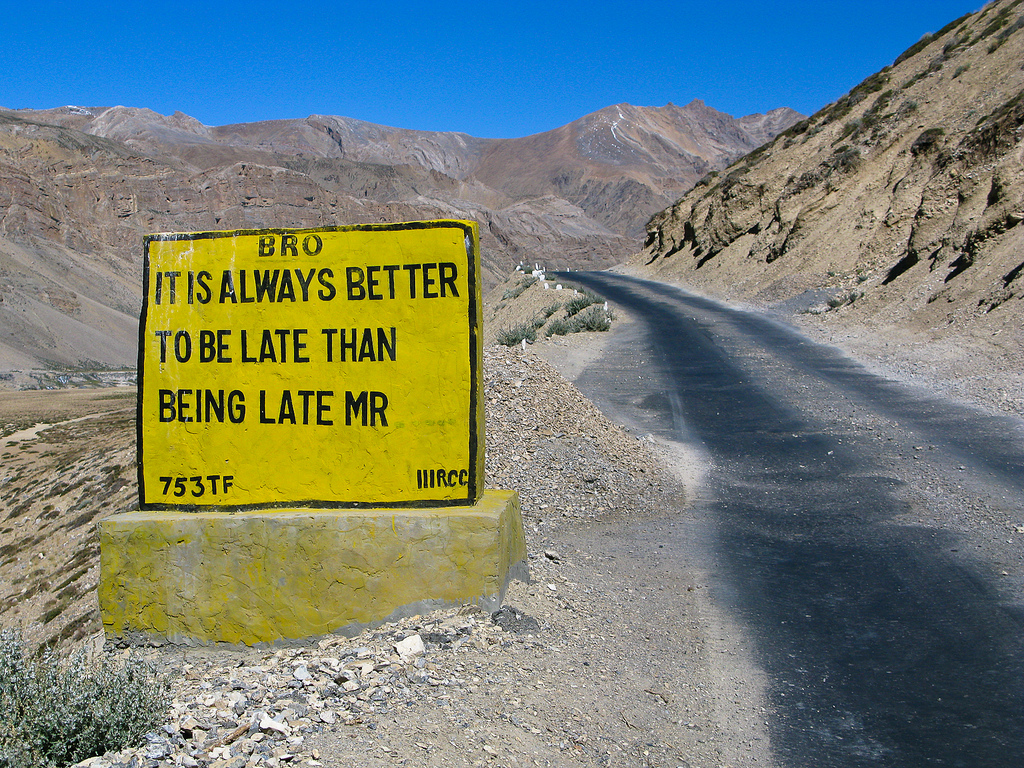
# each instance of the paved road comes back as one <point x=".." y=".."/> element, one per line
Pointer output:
<point x="862" y="531"/>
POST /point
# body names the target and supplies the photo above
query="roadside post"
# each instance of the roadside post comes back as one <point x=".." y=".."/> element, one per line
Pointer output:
<point x="310" y="438"/>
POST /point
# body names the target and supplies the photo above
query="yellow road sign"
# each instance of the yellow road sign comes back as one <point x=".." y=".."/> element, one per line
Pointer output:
<point x="318" y="367"/>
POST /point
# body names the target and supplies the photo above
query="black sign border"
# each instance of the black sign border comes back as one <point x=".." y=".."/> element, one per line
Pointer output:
<point x="476" y="426"/>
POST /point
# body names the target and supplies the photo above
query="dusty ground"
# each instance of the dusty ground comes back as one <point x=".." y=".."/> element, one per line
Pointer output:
<point x="981" y="366"/>
<point x="56" y="480"/>
<point x="612" y="657"/>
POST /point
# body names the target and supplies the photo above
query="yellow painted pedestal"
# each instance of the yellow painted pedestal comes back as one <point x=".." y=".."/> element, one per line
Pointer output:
<point x="288" y="574"/>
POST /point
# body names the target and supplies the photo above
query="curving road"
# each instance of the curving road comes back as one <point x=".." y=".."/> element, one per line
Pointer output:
<point x="863" y="532"/>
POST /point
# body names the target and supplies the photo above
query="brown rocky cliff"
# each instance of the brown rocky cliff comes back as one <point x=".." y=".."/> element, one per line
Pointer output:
<point x="899" y="203"/>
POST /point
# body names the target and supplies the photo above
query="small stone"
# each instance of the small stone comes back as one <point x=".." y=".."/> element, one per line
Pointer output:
<point x="268" y="724"/>
<point x="301" y="673"/>
<point x="327" y="716"/>
<point x="410" y="648"/>
<point x="552" y="555"/>
<point x="346" y="675"/>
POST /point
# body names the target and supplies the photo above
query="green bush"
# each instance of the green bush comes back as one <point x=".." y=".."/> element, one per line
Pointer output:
<point x="558" y="327"/>
<point x="519" y="289"/>
<point x="56" y="712"/>
<point x="841" y="301"/>
<point x="580" y="302"/>
<point x="512" y="336"/>
<point x="593" y="319"/>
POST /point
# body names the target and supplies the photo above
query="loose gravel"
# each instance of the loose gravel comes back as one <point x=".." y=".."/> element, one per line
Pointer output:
<point x="595" y="662"/>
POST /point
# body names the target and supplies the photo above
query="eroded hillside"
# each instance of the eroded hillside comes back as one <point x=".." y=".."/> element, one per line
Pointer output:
<point x="897" y="207"/>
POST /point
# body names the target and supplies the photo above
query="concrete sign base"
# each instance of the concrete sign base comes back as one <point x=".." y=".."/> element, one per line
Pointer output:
<point x="273" y="576"/>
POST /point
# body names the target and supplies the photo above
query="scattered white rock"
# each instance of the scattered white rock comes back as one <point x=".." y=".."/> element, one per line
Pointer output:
<point x="410" y="648"/>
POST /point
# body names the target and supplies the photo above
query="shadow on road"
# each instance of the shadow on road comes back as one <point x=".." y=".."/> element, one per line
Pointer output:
<point x="880" y="648"/>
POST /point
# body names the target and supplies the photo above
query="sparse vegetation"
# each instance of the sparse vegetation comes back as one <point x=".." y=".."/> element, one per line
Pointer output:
<point x="1002" y="37"/>
<point x="995" y="25"/>
<point x="843" y="160"/>
<point x="55" y="712"/>
<point x="594" y="318"/>
<point x="851" y="127"/>
<point x="844" y="299"/>
<point x="923" y="43"/>
<point x="577" y="314"/>
<point x="509" y="337"/>
<point x="912" y="81"/>
<point x="927" y="141"/>
<point x="913" y="50"/>
<point x="550" y="310"/>
<point x="956" y="44"/>
<point x="796" y="129"/>
<point x="53" y="613"/>
<point x="908" y="107"/>
<point x="580" y="302"/>
<point x="558" y="327"/>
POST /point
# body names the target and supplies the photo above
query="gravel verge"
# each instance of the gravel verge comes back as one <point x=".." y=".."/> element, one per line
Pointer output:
<point x="603" y="659"/>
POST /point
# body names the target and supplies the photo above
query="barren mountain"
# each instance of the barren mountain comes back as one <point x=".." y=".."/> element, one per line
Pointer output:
<point x="623" y="160"/>
<point x="79" y="186"/>
<point x="895" y="210"/>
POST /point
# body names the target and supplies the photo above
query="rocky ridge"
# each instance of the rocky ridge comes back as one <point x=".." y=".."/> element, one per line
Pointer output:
<point x="892" y="215"/>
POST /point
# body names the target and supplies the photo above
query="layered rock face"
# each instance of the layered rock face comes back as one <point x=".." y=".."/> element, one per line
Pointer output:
<point x="79" y="186"/>
<point x="898" y="205"/>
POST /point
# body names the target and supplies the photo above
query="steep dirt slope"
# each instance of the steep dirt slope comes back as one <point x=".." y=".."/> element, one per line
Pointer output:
<point x="895" y="208"/>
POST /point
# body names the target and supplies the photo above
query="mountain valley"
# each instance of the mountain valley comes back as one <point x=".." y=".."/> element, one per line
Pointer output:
<point x="80" y="186"/>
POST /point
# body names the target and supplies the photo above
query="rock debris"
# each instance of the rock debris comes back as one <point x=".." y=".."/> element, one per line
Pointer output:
<point x="273" y="707"/>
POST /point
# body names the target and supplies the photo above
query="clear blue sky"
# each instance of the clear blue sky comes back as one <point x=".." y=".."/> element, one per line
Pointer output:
<point x="492" y="70"/>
